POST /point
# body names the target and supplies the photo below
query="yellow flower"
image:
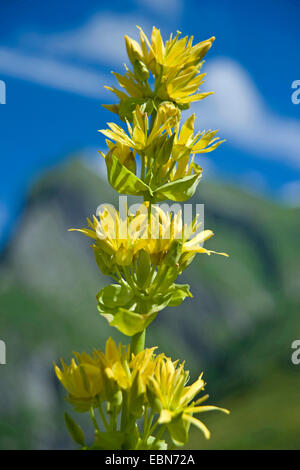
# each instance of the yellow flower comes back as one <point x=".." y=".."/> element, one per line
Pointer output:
<point x="175" y="53"/>
<point x="117" y="239"/>
<point x="165" y="159"/>
<point x="138" y="138"/>
<point x="135" y="383"/>
<point x="178" y="64"/>
<point x="83" y="380"/>
<point x="175" y="399"/>
<point x="144" y="362"/>
<point x="186" y="142"/>
<point x="175" y="65"/>
<point x="90" y="380"/>
<point x="164" y="228"/>
<point x="115" y="363"/>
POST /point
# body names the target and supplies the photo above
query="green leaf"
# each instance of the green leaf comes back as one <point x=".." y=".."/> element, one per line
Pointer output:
<point x="166" y="275"/>
<point x="103" y="261"/>
<point x="158" y="301"/>
<point x="136" y="396"/>
<point x="128" y="105"/>
<point x="75" y="430"/>
<point x="128" y="322"/>
<point x="114" y="296"/>
<point x="174" y="252"/>
<point x="108" y="441"/>
<point x="180" y="292"/>
<point x="132" y="437"/>
<point x="140" y="70"/>
<point x="165" y="150"/>
<point x="131" y="313"/>
<point x="152" y="444"/>
<point x="123" y="180"/>
<point x="179" y="190"/>
<point x="143" y="267"/>
<point x="179" y="430"/>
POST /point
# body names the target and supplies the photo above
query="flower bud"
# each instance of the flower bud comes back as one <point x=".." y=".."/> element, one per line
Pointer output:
<point x="74" y="430"/>
<point x="134" y="50"/>
<point x="143" y="267"/>
<point x="140" y="71"/>
<point x="165" y="150"/>
<point x="117" y="399"/>
<point x="137" y="396"/>
<point x="173" y="255"/>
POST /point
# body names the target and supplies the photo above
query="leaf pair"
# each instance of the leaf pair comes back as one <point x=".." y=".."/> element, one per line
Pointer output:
<point x="126" y="182"/>
<point x="131" y="313"/>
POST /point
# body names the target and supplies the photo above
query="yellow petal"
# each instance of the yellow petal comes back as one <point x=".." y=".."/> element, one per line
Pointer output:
<point x="203" y="409"/>
<point x="198" y="424"/>
<point x="165" y="416"/>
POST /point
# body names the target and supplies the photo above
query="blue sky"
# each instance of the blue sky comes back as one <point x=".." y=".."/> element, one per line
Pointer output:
<point x="56" y="56"/>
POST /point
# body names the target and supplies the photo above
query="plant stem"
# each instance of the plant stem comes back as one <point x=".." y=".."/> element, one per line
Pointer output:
<point x="145" y="418"/>
<point x="147" y="427"/>
<point x="152" y="429"/>
<point x="113" y="421"/>
<point x="159" y="434"/>
<point x="138" y="342"/>
<point x="103" y="417"/>
<point x="93" y="418"/>
<point x="152" y="120"/>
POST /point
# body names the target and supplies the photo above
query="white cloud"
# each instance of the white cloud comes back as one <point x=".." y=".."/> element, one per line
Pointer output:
<point x="100" y="39"/>
<point x="237" y="107"/>
<point x="242" y="116"/>
<point x="52" y="73"/>
<point x="171" y="7"/>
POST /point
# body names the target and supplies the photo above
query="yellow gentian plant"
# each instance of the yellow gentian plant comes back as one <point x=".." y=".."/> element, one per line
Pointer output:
<point x="143" y="399"/>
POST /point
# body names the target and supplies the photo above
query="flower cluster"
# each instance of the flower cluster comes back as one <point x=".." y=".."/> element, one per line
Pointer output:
<point x="167" y="153"/>
<point x="148" y="385"/>
<point x="175" y="66"/>
<point x="119" y="240"/>
<point x="144" y="253"/>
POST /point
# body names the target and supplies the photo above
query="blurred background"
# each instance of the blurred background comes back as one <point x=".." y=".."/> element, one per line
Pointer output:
<point x="55" y="58"/>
